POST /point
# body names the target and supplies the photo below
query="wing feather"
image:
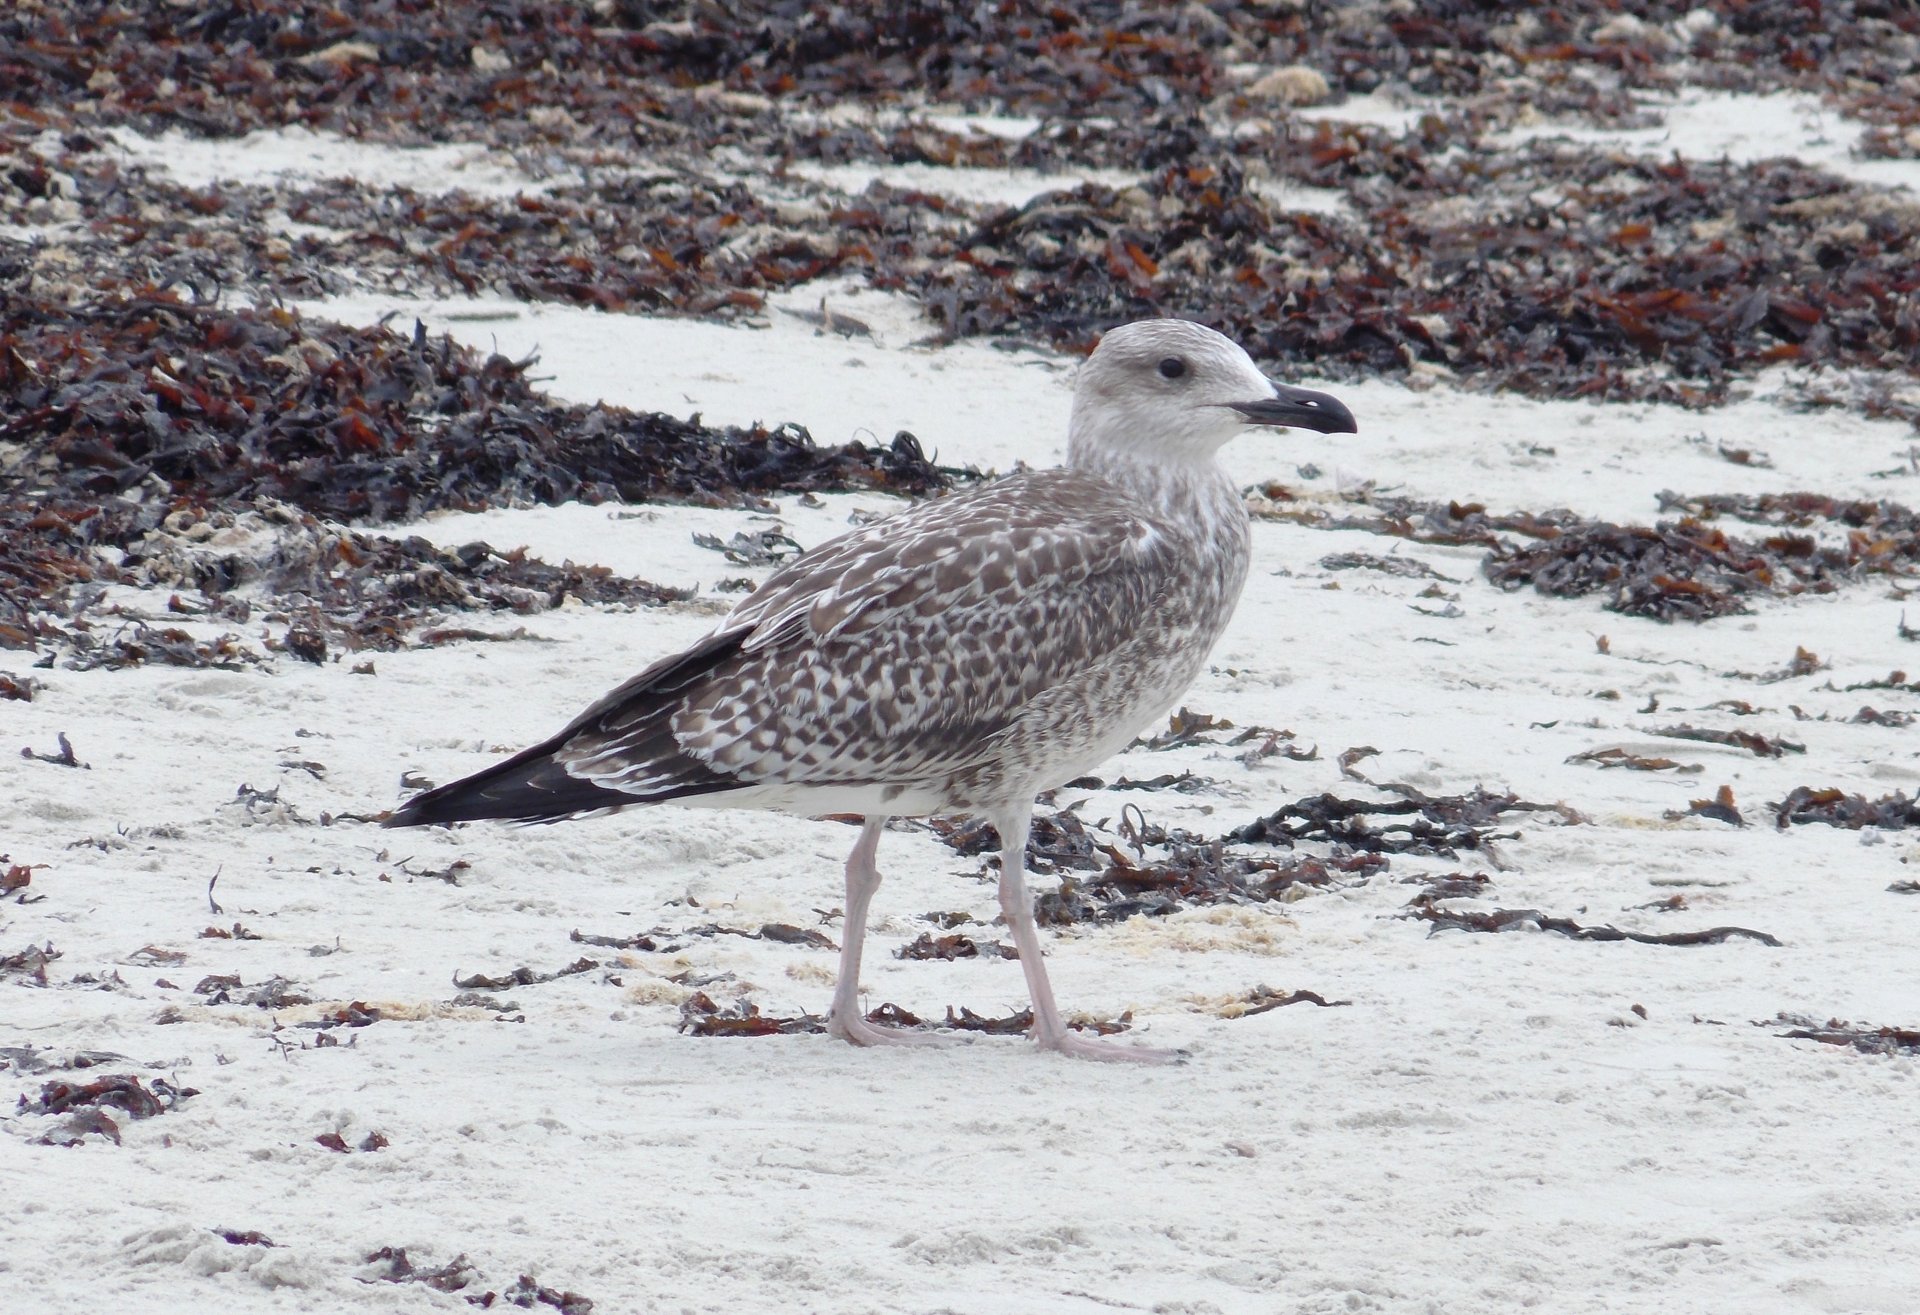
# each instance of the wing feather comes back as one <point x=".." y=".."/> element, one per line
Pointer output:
<point x="900" y="650"/>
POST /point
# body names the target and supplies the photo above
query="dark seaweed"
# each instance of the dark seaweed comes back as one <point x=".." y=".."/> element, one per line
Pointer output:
<point x="1863" y="1037"/>
<point x="1720" y="808"/>
<point x="1687" y="570"/>
<point x="158" y="424"/>
<point x="1189" y="873"/>
<point x="521" y="976"/>
<point x="1543" y="268"/>
<point x="85" y="1105"/>
<point x="1501" y="920"/>
<point x="1763" y="746"/>
<point x="1806" y="804"/>
<point x="1437" y="826"/>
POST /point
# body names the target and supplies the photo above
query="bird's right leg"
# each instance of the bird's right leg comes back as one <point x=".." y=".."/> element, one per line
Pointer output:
<point x="844" y="1018"/>
<point x="1050" y="1030"/>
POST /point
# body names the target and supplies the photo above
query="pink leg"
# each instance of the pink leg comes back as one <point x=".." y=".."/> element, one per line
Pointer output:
<point x="845" y="1019"/>
<point x="1050" y="1032"/>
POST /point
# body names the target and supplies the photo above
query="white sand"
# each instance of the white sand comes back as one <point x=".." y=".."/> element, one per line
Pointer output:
<point x="1487" y="1127"/>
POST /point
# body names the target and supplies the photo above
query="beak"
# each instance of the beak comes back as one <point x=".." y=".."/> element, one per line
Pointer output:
<point x="1298" y="408"/>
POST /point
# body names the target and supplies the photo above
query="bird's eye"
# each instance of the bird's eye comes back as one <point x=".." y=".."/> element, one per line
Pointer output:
<point x="1172" y="368"/>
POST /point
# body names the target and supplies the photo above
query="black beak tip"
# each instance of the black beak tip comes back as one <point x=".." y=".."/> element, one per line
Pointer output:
<point x="1300" y="408"/>
<point x="1334" y="418"/>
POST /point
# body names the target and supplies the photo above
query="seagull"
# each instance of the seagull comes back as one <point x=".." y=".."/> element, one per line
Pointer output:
<point x="960" y="657"/>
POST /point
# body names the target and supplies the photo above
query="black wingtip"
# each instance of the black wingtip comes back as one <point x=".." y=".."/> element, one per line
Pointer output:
<point x="407" y="815"/>
<point x="529" y="787"/>
<point x="534" y="786"/>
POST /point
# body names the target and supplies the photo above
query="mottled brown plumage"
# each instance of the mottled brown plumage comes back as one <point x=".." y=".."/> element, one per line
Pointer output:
<point x="960" y="657"/>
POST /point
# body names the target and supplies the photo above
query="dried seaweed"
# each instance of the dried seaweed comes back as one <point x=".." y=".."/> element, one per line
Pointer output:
<point x="1686" y="570"/>
<point x="1446" y="885"/>
<point x="33" y="1059"/>
<point x="1669" y="572"/>
<point x="1405" y="567"/>
<point x="785" y="933"/>
<point x="85" y="1104"/>
<point x="1264" y="999"/>
<point x="526" y="1293"/>
<point x="63" y="758"/>
<point x="522" y="976"/>
<point x="260" y="405"/>
<point x="782" y="932"/>
<point x="1863" y="1037"/>
<point x="399" y="66"/>
<point x="1720" y="808"/>
<point x="764" y="548"/>
<point x="1017" y="1023"/>
<point x="1192" y="872"/>
<point x="1439" y="826"/>
<point x="1618" y="757"/>
<point x="953" y="946"/>
<point x="1501" y="920"/>
<point x="1895" y="681"/>
<point x="357" y="1013"/>
<point x="701" y="1016"/>
<point x="16" y="877"/>
<point x="1183" y="783"/>
<point x="1894" y="717"/>
<point x="1101" y="883"/>
<point x="1832" y="807"/>
<point x="1763" y="746"/>
<point x="1056" y="842"/>
<point x="397" y="1267"/>
<point x="1185" y="727"/>
<point x="30" y="963"/>
<point x="639" y="941"/>
<point x="1884" y="526"/>
<point x="275" y="993"/>
<point x="457" y="1275"/>
<point x="1567" y="271"/>
<point x="260" y="430"/>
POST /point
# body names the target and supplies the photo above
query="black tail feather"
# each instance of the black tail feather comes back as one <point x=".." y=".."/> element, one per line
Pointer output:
<point x="534" y="785"/>
<point x="528" y="787"/>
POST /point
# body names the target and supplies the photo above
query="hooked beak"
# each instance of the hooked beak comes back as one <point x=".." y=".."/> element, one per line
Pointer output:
<point x="1298" y="408"/>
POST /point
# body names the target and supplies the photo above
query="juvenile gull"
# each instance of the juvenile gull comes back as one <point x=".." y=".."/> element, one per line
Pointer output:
<point x="960" y="657"/>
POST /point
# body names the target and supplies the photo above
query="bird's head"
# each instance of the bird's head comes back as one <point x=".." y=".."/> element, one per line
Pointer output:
<point x="1172" y="388"/>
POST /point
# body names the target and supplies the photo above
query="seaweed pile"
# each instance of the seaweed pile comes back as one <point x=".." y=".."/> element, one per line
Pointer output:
<point x="1101" y="882"/>
<point x="85" y="1105"/>
<point x="1540" y="271"/>
<point x="1544" y="268"/>
<point x="1806" y="805"/>
<point x="525" y="71"/>
<point x="1435" y="826"/>
<point x="164" y="443"/>
<point x="219" y="406"/>
<point x="1684" y="570"/>
<point x="1353" y="841"/>
<point x="1863" y="1037"/>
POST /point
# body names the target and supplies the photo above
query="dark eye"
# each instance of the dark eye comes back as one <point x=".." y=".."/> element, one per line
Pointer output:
<point x="1172" y="368"/>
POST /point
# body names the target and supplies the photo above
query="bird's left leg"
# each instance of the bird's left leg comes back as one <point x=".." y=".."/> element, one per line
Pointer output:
<point x="844" y="1018"/>
<point x="1050" y="1031"/>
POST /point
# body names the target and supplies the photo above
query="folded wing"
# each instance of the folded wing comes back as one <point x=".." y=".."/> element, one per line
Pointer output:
<point x="895" y="654"/>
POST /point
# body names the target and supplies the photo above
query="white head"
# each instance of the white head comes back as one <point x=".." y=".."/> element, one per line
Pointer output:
<point x="1168" y="390"/>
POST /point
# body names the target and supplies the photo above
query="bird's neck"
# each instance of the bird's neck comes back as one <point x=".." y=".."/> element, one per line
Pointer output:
<point x="1186" y="489"/>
